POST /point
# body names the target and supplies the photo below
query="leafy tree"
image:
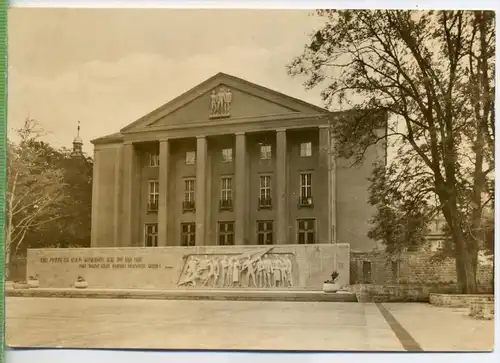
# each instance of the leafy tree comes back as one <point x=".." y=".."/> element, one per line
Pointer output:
<point x="35" y="189"/>
<point x="433" y="73"/>
<point x="73" y="228"/>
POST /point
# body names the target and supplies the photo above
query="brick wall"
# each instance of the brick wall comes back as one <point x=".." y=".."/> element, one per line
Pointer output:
<point x="410" y="268"/>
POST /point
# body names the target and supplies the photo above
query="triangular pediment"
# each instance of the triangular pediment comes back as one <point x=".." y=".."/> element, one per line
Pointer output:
<point x="223" y="97"/>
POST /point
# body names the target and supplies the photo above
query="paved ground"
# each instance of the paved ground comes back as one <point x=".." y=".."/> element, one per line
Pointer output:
<point x="119" y="323"/>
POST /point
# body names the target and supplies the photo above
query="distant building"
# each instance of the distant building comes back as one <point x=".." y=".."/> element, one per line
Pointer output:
<point x="229" y="162"/>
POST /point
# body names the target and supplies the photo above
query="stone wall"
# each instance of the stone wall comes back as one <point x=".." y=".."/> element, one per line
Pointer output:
<point x="410" y="268"/>
<point x="458" y="301"/>
<point x="162" y="267"/>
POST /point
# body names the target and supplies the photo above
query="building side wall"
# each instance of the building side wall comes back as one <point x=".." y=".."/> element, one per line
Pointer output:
<point x="106" y="205"/>
<point x="352" y="208"/>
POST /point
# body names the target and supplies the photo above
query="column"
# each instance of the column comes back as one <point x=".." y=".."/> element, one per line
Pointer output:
<point x="117" y="196"/>
<point x="163" y="192"/>
<point x="240" y="189"/>
<point x="321" y="187"/>
<point x="130" y="197"/>
<point x="281" y="187"/>
<point x="201" y="161"/>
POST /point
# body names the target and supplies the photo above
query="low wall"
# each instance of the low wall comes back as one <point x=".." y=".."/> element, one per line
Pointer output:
<point x="458" y="300"/>
<point x="300" y="266"/>
<point x="391" y="293"/>
<point x="410" y="268"/>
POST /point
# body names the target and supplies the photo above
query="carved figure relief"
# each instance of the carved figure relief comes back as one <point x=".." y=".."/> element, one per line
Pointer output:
<point x="220" y="102"/>
<point x="254" y="269"/>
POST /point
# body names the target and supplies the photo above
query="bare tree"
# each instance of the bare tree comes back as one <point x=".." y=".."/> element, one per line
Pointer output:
<point x="35" y="189"/>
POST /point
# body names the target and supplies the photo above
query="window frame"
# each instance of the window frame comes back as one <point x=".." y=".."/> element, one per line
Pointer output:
<point x="226" y="192"/>
<point x="193" y="158"/>
<point x="189" y="235"/>
<point x="153" y="234"/>
<point x="153" y="194"/>
<point x="189" y="201"/>
<point x="266" y="152"/>
<point x="153" y="159"/>
<point x="265" y="191"/>
<point x="306" y="231"/>
<point x="227" y="155"/>
<point x="265" y="232"/>
<point x="305" y="149"/>
<point x="225" y="233"/>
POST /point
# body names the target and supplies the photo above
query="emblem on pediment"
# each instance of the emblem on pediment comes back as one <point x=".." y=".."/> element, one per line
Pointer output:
<point x="220" y="103"/>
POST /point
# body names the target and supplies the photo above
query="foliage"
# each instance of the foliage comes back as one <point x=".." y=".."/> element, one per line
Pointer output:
<point x="433" y="73"/>
<point x="35" y="189"/>
<point x="49" y="194"/>
<point x="333" y="278"/>
<point x="73" y="229"/>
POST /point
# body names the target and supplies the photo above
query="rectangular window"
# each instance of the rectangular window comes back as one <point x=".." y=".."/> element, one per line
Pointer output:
<point x="153" y="195"/>
<point x="189" y="193"/>
<point x="305" y="189"/>
<point x="226" y="233"/>
<point x="306" y="231"/>
<point x="226" y="193"/>
<point x="151" y="235"/>
<point x="265" y="152"/>
<point x="227" y="155"/>
<point x="188" y="234"/>
<point x="265" y="232"/>
<point x="305" y="149"/>
<point x="154" y="159"/>
<point x="190" y="157"/>
<point x="265" y="191"/>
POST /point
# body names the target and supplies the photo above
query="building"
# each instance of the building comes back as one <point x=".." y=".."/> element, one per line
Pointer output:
<point x="229" y="162"/>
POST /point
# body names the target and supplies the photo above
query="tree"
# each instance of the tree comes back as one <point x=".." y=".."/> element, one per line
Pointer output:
<point x="433" y="72"/>
<point x="35" y="188"/>
<point x="73" y="228"/>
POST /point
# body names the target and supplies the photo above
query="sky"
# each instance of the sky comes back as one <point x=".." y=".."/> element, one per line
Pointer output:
<point x="108" y="67"/>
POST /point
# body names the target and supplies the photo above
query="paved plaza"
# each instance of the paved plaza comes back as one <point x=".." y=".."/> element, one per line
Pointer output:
<point x="176" y="324"/>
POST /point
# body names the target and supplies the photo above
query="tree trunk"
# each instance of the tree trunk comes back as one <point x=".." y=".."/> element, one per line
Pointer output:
<point x="466" y="274"/>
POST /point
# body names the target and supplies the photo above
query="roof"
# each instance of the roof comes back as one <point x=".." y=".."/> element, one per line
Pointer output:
<point x="116" y="137"/>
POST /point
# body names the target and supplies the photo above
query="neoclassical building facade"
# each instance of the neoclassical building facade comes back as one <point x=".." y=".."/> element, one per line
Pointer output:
<point x="229" y="163"/>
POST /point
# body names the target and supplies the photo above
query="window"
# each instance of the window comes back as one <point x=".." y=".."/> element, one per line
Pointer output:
<point x="153" y="194"/>
<point x="305" y="229"/>
<point x="265" y="191"/>
<point x="227" y="155"/>
<point x="151" y="235"/>
<point x="305" y="149"/>
<point x="305" y="198"/>
<point x="265" y="232"/>
<point x="226" y="233"/>
<point x="154" y="159"/>
<point x="265" y="152"/>
<point x="189" y="192"/>
<point x="190" y="157"/>
<point x="226" y="193"/>
<point x="188" y="234"/>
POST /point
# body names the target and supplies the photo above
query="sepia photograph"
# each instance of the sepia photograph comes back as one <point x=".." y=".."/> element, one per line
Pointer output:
<point x="245" y="179"/>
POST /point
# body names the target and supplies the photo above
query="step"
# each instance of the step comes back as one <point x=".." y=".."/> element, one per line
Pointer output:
<point x="187" y="294"/>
